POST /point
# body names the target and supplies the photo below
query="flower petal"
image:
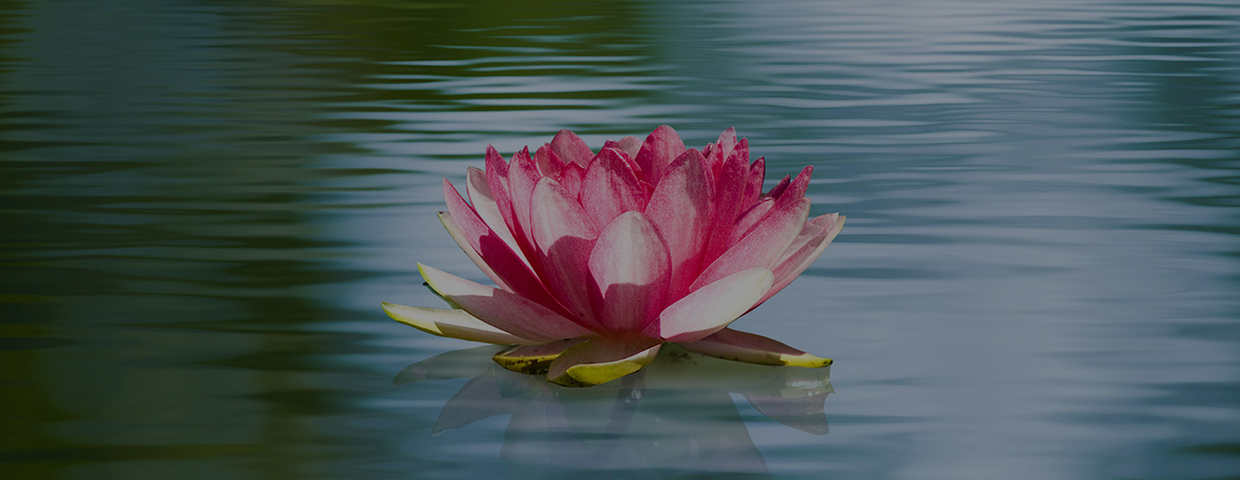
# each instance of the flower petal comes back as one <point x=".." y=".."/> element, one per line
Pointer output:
<point x="611" y="188"/>
<point x="779" y="188"/>
<point x="681" y="207"/>
<point x="712" y="307"/>
<point x="600" y="360"/>
<point x="753" y="186"/>
<point x="507" y="268"/>
<point x="571" y="148"/>
<point x="808" y="246"/>
<point x="533" y="359"/>
<point x="565" y="235"/>
<point x="497" y="181"/>
<point x="462" y="241"/>
<point x="549" y="163"/>
<point x="485" y="205"/>
<point x="730" y="344"/>
<point x="763" y="246"/>
<point x="658" y="151"/>
<point x="522" y="177"/>
<point x="453" y="323"/>
<point x="729" y="186"/>
<point x="571" y="179"/>
<point x="506" y="311"/>
<point x="750" y="219"/>
<point x="630" y="145"/>
<point x="631" y="269"/>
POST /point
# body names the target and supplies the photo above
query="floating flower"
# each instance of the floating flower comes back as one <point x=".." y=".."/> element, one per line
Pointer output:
<point x="601" y="258"/>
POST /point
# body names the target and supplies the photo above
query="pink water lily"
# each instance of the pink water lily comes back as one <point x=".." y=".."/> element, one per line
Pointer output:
<point x="601" y="258"/>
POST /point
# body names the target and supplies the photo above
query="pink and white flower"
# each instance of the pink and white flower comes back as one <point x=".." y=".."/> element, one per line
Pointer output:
<point x="601" y="258"/>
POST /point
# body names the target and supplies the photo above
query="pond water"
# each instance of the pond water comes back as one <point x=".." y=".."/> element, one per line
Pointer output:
<point x="204" y="203"/>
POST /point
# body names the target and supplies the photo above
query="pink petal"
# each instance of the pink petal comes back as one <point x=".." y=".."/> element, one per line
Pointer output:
<point x="630" y="145"/>
<point x="497" y="180"/>
<point x="712" y="307"/>
<point x="749" y="219"/>
<point x="610" y="188"/>
<point x="549" y="164"/>
<point x="487" y="208"/>
<point x="571" y="179"/>
<point x="779" y="188"/>
<point x="452" y="323"/>
<point x="631" y="270"/>
<point x="763" y="246"/>
<point x="797" y="188"/>
<point x="681" y="207"/>
<point x="600" y="360"/>
<point x="730" y="344"/>
<point x="462" y="241"/>
<point x="729" y="188"/>
<point x="571" y="148"/>
<point x="565" y="235"/>
<point x="502" y="264"/>
<point x="720" y="150"/>
<point x="658" y="151"/>
<point x="808" y="246"/>
<point x="509" y="312"/>
<point x="753" y="187"/>
<point x="522" y="177"/>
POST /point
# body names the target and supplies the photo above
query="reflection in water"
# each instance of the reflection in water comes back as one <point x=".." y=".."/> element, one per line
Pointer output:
<point x="676" y="416"/>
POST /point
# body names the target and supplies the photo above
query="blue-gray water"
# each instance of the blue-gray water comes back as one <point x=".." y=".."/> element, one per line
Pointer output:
<point x="204" y="202"/>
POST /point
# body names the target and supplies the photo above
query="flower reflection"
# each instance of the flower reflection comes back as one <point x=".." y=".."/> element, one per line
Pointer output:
<point x="677" y="418"/>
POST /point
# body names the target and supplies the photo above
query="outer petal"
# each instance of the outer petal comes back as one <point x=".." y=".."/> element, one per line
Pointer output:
<point x="565" y="236"/>
<point x="510" y="271"/>
<point x="753" y="186"/>
<point x="571" y="148"/>
<point x="497" y="181"/>
<point x="611" y="188"/>
<point x="509" y="312"/>
<point x="658" y="151"/>
<point x="446" y="322"/>
<point x="749" y="219"/>
<point x="779" y="188"/>
<point x="729" y="189"/>
<point x="630" y="145"/>
<point x="522" y="177"/>
<point x="601" y="360"/>
<point x="730" y="344"/>
<point x="533" y="359"/>
<point x="485" y="204"/>
<point x="712" y="307"/>
<point x="461" y="239"/>
<point x="763" y="246"/>
<point x="631" y="269"/>
<point x="808" y="246"/>
<point x="549" y="163"/>
<point x="681" y="207"/>
<point x="721" y="149"/>
<point x="571" y="179"/>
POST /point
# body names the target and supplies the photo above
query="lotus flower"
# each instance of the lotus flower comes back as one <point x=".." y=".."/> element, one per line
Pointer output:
<point x="601" y="258"/>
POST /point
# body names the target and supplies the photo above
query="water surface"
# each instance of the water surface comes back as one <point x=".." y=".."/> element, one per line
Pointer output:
<point x="204" y="203"/>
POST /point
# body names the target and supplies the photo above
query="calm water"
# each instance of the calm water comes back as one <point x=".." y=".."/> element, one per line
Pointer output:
<point x="203" y="204"/>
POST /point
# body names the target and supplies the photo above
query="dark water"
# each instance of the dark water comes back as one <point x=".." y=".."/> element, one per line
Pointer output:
<point x="203" y="204"/>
